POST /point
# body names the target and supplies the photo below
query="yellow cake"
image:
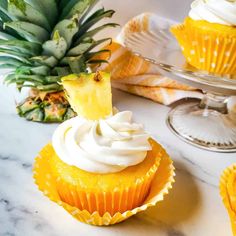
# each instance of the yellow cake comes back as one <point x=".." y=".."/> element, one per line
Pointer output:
<point x="208" y="36"/>
<point x="114" y="192"/>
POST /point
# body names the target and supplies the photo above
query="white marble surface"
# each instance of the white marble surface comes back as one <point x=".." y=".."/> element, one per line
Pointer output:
<point x="193" y="207"/>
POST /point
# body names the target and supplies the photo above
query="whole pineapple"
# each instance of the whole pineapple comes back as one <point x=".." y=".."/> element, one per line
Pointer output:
<point x="44" y="40"/>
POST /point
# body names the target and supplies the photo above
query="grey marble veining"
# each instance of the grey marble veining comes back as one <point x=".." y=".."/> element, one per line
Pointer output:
<point x="192" y="208"/>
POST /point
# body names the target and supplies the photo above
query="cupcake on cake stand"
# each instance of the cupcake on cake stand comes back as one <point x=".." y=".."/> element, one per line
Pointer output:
<point x="209" y="124"/>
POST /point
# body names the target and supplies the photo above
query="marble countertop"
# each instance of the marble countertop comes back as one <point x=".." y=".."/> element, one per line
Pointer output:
<point x="193" y="207"/>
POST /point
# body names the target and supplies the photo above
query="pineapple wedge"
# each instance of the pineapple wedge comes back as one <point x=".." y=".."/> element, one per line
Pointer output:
<point x="89" y="94"/>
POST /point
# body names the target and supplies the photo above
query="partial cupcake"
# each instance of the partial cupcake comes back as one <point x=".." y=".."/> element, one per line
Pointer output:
<point x="208" y="36"/>
<point x="102" y="161"/>
<point x="228" y="193"/>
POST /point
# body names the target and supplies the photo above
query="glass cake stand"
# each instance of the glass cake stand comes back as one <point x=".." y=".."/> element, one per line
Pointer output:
<point x="208" y="124"/>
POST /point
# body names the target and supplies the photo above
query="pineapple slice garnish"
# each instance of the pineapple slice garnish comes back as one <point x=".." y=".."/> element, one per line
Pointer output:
<point x="89" y="94"/>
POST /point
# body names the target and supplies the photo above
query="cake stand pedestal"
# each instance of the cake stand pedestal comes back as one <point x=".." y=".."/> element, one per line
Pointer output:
<point x="206" y="124"/>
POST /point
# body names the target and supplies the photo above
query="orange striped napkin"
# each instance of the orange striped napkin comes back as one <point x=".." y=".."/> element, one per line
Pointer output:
<point x="135" y="75"/>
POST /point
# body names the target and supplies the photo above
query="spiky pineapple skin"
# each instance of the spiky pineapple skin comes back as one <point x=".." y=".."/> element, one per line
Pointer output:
<point x="53" y="108"/>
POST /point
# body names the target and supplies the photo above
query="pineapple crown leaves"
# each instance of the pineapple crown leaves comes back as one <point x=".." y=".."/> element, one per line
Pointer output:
<point x="43" y="40"/>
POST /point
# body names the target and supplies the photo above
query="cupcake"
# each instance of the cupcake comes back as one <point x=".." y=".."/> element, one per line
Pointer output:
<point x="208" y="36"/>
<point x="101" y="160"/>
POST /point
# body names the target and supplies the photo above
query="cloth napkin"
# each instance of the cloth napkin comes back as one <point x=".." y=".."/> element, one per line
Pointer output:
<point x="135" y="75"/>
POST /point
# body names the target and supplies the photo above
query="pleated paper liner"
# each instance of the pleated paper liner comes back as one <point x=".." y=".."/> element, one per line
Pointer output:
<point x="119" y="198"/>
<point x="160" y="186"/>
<point x="207" y="51"/>
<point x="228" y="193"/>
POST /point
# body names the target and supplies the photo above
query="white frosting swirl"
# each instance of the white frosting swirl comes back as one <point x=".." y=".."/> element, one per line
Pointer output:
<point x="214" y="11"/>
<point x="104" y="146"/>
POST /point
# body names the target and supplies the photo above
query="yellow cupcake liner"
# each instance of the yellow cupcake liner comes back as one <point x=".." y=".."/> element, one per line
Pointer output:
<point x="111" y="202"/>
<point x="207" y="50"/>
<point x="115" y="200"/>
<point x="160" y="186"/>
<point x="228" y="193"/>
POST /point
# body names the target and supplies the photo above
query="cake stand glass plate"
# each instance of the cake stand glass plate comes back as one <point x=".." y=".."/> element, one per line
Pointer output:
<point x="208" y="124"/>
